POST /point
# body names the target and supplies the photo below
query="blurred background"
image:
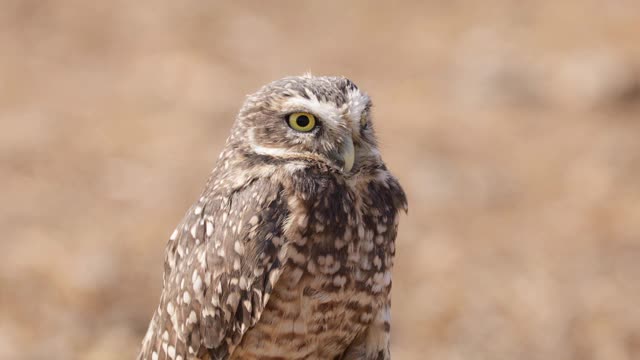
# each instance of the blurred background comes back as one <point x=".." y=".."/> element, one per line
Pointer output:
<point x="514" y="127"/>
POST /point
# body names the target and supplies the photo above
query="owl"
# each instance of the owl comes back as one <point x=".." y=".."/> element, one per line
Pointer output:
<point x="288" y="252"/>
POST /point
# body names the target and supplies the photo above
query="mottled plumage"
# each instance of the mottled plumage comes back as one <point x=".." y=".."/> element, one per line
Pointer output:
<point x="288" y="252"/>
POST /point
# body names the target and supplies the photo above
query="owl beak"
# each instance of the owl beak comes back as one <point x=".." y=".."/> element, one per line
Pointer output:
<point x="348" y="153"/>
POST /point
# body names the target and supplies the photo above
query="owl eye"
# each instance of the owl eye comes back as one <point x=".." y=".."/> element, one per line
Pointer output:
<point x="363" y="121"/>
<point x="301" y="121"/>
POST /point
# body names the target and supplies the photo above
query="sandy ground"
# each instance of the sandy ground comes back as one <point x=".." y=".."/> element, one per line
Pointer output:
<point x="514" y="127"/>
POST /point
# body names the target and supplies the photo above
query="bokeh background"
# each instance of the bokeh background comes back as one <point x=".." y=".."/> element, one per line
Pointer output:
<point x="514" y="127"/>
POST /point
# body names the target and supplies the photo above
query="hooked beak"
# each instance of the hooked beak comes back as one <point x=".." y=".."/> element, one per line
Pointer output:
<point x="348" y="154"/>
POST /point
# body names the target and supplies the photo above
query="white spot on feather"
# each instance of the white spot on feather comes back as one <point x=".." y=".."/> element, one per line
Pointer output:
<point x="170" y="308"/>
<point x="194" y="230"/>
<point x="238" y="246"/>
<point x="209" y="227"/>
<point x="192" y="318"/>
<point x="197" y="284"/>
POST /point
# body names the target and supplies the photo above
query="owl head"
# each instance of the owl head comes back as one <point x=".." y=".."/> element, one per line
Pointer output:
<point x="309" y="119"/>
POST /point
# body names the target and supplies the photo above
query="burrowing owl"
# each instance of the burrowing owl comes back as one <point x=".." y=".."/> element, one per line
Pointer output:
<point x="288" y="252"/>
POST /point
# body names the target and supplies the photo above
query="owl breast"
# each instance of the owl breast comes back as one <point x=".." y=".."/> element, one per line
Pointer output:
<point x="336" y="276"/>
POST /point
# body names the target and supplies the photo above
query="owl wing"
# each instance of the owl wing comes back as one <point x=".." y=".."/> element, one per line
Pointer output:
<point x="222" y="263"/>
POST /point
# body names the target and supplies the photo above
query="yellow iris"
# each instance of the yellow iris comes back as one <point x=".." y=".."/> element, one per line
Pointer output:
<point x="302" y="121"/>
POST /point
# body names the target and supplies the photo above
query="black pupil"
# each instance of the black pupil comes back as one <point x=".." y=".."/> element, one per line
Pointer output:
<point x="302" y="120"/>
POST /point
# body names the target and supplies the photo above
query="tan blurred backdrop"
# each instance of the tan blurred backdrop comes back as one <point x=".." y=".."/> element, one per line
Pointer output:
<point x="514" y="127"/>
